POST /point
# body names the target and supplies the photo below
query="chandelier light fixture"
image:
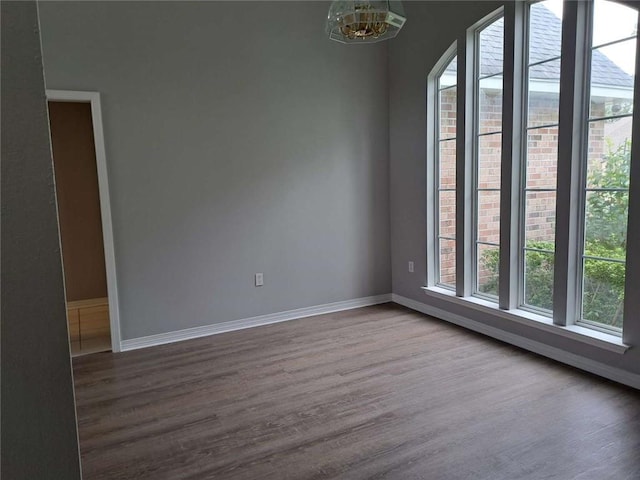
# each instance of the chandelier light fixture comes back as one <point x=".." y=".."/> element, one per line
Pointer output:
<point x="364" y="21"/>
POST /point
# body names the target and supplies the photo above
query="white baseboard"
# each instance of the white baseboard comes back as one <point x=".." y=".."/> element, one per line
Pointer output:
<point x="196" y="332"/>
<point x="583" y="363"/>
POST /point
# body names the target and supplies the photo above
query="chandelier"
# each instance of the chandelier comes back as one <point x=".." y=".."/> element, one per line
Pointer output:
<point x="364" y="21"/>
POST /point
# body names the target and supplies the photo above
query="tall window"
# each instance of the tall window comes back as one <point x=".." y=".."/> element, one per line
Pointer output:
<point x="608" y="160"/>
<point x="538" y="194"/>
<point x="446" y="176"/>
<point x="543" y="225"/>
<point x="488" y="140"/>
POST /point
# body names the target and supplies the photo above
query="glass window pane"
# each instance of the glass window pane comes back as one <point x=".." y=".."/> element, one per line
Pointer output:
<point x="608" y="162"/>
<point x="538" y="279"/>
<point x="489" y="89"/>
<point x="612" y="79"/>
<point x="488" y="267"/>
<point x="448" y="77"/>
<point x="544" y="94"/>
<point x="542" y="158"/>
<point x="540" y="220"/>
<point x="609" y="153"/>
<point x="545" y="30"/>
<point x="543" y="105"/>
<point x="613" y="21"/>
<point x="447" y="163"/>
<point x="447" y="203"/>
<point x="447" y="113"/>
<point x="603" y="292"/>
<point x="490" y="105"/>
<point x="606" y="223"/>
<point x="489" y="160"/>
<point x="446" y="177"/>
<point x="491" y="43"/>
<point x="447" y="262"/>
<point x="489" y="217"/>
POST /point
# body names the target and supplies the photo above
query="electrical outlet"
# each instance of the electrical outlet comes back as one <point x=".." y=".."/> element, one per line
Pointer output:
<point x="259" y="279"/>
<point x="410" y="267"/>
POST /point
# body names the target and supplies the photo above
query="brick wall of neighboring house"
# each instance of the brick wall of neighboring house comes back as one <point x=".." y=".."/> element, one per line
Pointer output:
<point x="489" y="158"/>
<point x="447" y="199"/>
<point x="541" y="172"/>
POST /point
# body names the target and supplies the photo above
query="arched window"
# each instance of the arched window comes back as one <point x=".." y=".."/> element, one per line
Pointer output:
<point x="540" y="155"/>
<point x="607" y="161"/>
<point x="444" y="97"/>
<point x="487" y="155"/>
<point x="542" y="185"/>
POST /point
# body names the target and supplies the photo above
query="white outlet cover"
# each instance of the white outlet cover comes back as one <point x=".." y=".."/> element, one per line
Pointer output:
<point x="259" y="279"/>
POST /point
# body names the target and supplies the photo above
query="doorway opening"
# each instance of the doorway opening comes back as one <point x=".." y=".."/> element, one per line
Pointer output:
<point x="84" y="219"/>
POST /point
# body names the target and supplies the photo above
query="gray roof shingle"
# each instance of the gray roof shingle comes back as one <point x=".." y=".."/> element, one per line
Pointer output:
<point x="544" y="44"/>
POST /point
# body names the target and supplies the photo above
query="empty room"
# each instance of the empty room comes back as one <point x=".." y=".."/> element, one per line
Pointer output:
<point x="320" y="240"/>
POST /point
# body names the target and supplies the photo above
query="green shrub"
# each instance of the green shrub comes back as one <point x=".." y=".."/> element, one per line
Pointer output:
<point x="606" y="234"/>
<point x="539" y="276"/>
<point x="603" y="281"/>
<point x="607" y="211"/>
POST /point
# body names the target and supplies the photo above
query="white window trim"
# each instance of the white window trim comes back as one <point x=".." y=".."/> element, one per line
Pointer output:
<point x="596" y="338"/>
<point x="433" y="161"/>
<point x="567" y="274"/>
<point x="474" y="199"/>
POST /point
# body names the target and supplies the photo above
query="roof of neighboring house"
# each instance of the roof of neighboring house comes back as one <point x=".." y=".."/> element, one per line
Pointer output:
<point x="545" y="40"/>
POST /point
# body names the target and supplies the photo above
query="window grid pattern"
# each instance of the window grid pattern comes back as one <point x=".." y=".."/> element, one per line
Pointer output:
<point x="591" y="177"/>
<point x="539" y="183"/>
<point x="488" y="152"/>
<point x="446" y="177"/>
<point x="605" y="187"/>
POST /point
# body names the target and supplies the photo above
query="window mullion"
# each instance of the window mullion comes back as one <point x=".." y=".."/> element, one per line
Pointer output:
<point x="571" y="139"/>
<point x="512" y="115"/>
<point x="464" y="152"/>
<point x="630" y="320"/>
<point x="432" y="179"/>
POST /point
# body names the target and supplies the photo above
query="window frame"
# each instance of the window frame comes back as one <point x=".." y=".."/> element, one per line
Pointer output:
<point x="589" y="9"/>
<point x="522" y="67"/>
<point x="573" y="125"/>
<point x="475" y="154"/>
<point x="433" y="167"/>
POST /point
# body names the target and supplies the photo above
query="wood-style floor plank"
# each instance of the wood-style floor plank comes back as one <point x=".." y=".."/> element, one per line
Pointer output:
<point x="374" y="393"/>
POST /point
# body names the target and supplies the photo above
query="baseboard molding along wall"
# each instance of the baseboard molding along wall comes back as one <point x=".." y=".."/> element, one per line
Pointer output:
<point x="583" y="363"/>
<point x="197" y="332"/>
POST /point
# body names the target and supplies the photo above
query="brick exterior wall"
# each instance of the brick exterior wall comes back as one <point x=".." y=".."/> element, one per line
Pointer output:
<point x="447" y="199"/>
<point x="541" y="172"/>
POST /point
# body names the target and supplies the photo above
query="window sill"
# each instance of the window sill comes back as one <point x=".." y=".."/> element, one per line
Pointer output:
<point x="595" y="338"/>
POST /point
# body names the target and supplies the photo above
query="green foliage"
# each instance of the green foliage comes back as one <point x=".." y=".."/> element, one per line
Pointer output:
<point x="603" y="281"/>
<point x="539" y="268"/>
<point x="490" y="262"/>
<point x="606" y="232"/>
<point x="539" y="275"/>
<point x="606" y="237"/>
<point x="607" y="211"/>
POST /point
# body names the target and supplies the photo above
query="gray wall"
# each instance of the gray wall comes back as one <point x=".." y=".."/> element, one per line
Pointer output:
<point x="39" y="437"/>
<point x="432" y="28"/>
<point x="239" y="140"/>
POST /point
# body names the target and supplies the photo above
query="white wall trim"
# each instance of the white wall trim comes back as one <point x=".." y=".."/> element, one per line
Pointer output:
<point x="230" y="326"/>
<point x="606" y="371"/>
<point x="596" y="338"/>
<point x="105" y="203"/>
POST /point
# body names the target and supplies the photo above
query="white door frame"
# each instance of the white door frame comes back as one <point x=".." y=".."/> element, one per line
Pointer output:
<point x="93" y="98"/>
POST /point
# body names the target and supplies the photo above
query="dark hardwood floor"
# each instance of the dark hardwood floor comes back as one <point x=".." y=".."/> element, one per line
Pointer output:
<point x="378" y="392"/>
